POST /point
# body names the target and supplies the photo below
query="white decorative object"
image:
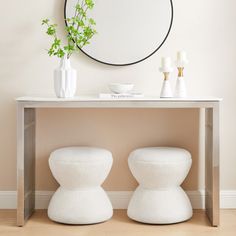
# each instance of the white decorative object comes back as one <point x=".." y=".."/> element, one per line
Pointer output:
<point x="166" y="65"/>
<point x="166" y="68"/>
<point x="121" y="88"/>
<point x="120" y="95"/>
<point x="180" y="87"/>
<point x="159" y="199"/>
<point x="80" y="199"/>
<point x="65" y="79"/>
<point x="182" y="60"/>
<point x="166" y="91"/>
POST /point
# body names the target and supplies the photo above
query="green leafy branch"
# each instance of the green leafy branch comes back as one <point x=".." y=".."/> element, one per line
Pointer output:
<point x="80" y="30"/>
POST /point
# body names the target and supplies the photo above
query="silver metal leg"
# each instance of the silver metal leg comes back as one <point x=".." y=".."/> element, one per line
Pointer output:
<point x="25" y="163"/>
<point x="212" y="164"/>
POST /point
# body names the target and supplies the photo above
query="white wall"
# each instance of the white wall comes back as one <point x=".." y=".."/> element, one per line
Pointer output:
<point x="205" y="29"/>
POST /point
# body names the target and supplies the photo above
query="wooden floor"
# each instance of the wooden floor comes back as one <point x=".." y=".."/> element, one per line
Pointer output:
<point x="120" y="224"/>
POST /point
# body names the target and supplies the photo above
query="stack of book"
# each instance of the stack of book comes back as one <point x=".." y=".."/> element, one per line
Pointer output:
<point x="120" y="95"/>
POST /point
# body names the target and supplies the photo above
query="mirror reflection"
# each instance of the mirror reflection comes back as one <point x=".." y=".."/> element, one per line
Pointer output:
<point x="129" y="31"/>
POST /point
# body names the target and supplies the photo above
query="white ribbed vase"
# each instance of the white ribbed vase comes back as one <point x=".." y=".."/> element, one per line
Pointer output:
<point x="65" y="79"/>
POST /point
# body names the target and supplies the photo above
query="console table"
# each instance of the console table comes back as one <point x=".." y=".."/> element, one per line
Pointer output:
<point x="26" y="121"/>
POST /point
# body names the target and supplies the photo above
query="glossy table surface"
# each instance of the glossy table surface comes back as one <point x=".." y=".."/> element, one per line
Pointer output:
<point x="96" y="98"/>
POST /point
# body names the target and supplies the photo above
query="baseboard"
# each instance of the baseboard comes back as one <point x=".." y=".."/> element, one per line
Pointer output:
<point x="228" y="199"/>
<point x="119" y="199"/>
<point x="7" y="199"/>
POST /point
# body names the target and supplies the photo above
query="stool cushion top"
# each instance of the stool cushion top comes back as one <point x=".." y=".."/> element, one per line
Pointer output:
<point x="80" y="154"/>
<point x="160" y="155"/>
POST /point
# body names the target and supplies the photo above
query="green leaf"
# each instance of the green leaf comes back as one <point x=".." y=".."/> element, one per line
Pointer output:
<point x="45" y="21"/>
<point x="92" y="21"/>
<point x="60" y="53"/>
<point x="51" y="30"/>
<point x="89" y="3"/>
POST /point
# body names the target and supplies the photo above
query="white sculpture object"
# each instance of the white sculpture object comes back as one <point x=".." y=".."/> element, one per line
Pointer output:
<point x="65" y="79"/>
<point x="180" y="87"/>
<point x="166" y="68"/>
<point x="159" y="199"/>
<point x="80" y="199"/>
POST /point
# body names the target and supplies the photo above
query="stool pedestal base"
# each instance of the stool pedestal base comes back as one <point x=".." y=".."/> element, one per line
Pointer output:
<point x="80" y="206"/>
<point x="160" y="206"/>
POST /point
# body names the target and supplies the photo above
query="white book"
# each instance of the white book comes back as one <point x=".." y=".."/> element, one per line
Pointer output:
<point x="120" y="95"/>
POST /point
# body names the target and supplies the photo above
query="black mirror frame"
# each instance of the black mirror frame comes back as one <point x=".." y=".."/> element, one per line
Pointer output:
<point x="135" y="62"/>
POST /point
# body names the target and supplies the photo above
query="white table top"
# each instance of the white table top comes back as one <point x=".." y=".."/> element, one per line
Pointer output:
<point x="97" y="99"/>
<point x="95" y="102"/>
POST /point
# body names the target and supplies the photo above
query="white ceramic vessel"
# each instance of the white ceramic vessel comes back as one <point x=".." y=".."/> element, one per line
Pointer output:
<point x="121" y="88"/>
<point x="65" y="79"/>
<point x="166" y="91"/>
<point x="180" y="88"/>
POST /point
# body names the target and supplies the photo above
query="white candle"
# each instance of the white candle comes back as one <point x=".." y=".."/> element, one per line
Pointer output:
<point x="166" y="62"/>
<point x="182" y="60"/>
<point x="181" y="56"/>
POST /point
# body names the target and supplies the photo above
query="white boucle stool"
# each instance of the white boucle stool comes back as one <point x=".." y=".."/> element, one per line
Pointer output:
<point x="80" y="199"/>
<point x="159" y="199"/>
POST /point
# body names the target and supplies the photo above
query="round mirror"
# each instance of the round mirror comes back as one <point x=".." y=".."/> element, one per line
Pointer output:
<point x="129" y="31"/>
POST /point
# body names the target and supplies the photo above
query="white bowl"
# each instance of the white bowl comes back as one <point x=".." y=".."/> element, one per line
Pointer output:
<point x="121" y="88"/>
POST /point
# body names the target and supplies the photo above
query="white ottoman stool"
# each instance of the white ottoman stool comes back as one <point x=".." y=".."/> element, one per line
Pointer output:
<point x="159" y="199"/>
<point x="80" y="199"/>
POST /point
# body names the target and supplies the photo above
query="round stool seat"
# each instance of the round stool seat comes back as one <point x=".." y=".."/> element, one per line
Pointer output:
<point x="80" y="199"/>
<point x="72" y="155"/>
<point x="157" y="167"/>
<point x="160" y="155"/>
<point x="77" y="167"/>
<point x="159" y="199"/>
